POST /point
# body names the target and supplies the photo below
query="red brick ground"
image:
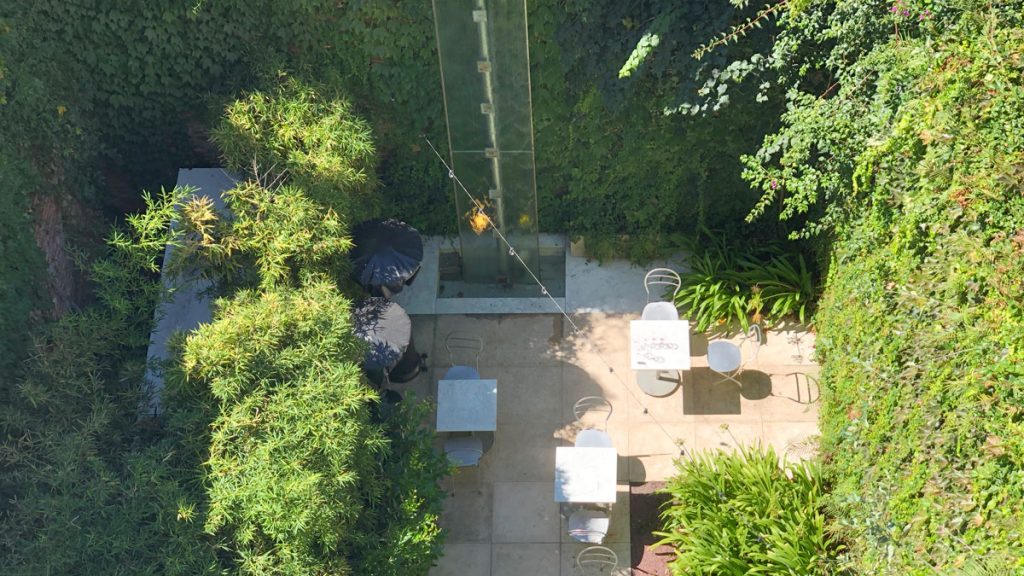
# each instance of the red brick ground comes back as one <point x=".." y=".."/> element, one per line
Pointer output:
<point x="644" y="510"/>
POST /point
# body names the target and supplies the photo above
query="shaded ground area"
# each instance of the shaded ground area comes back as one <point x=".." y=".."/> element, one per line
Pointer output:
<point x="645" y="507"/>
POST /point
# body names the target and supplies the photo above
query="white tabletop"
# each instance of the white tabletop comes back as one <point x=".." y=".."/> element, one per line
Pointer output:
<point x="659" y="345"/>
<point x="585" y="474"/>
<point x="467" y="405"/>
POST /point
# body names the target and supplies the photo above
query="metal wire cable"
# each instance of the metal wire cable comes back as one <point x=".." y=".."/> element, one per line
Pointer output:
<point x="576" y="330"/>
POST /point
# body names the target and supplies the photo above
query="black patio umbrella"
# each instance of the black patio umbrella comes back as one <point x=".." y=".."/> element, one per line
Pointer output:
<point x="387" y="255"/>
<point x="386" y="328"/>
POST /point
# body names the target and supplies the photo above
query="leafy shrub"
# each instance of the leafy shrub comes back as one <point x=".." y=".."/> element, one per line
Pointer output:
<point x="731" y="283"/>
<point x="21" y="265"/>
<point x="901" y="147"/>
<point x="270" y="238"/>
<point x="88" y="489"/>
<point x="920" y="327"/>
<point x="310" y="138"/>
<point x="303" y="474"/>
<point x="741" y="513"/>
<point x="298" y="470"/>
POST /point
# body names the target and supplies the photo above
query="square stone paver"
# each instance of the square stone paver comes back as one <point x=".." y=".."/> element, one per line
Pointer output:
<point x="713" y="433"/>
<point x="478" y="326"/>
<point x="593" y="380"/>
<point x="530" y="394"/>
<point x="603" y="341"/>
<point x="529" y="340"/>
<point x="653" y="449"/>
<point x="662" y="408"/>
<point x="423" y="329"/>
<point x="785" y="347"/>
<point x="464" y="559"/>
<point x="525" y="512"/>
<point x="794" y="394"/>
<point x="707" y="393"/>
<point x="522" y="452"/>
<point x="520" y="559"/>
<point x="468" y="515"/>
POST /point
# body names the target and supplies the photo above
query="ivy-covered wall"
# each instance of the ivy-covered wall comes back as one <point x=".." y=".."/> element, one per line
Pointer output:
<point x="147" y="79"/>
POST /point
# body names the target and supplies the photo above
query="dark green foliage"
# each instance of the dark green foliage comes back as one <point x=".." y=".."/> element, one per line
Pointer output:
<point x="272" y="457"/>
<point x="740" y="513"/>
<point x="139" y="81"/>
<point x="88" y="490"/>
<point x="403" y="536"/>
<point x="630" y="166"/>
<point x="22" y="282"/>
<point x="305" y="137"/>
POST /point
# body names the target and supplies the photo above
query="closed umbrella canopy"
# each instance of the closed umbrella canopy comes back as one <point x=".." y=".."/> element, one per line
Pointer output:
<point x="387" y="254"/>
<point x="387" y="329"/>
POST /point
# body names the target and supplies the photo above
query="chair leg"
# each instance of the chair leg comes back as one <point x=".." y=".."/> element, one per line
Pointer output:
<point x="725" y="377"/>
<point x="479" y="480"/>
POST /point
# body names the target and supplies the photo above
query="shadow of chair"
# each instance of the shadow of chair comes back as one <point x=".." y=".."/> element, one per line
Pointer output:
<point x="588" y="526"/>
<point x="805" y="389"/>
<point x="594" y="560"/>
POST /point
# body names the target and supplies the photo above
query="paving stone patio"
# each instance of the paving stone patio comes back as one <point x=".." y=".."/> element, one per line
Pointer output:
<point x="504" y="520"/>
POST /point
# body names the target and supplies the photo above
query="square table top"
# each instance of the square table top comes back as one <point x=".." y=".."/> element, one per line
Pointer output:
<point x="467" y="405"/>
<point x="585" y="474"/>
<point x="659" y="345"/>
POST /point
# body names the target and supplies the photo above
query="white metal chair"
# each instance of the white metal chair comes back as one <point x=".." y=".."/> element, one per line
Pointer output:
<point x="596" y="560"/>
<point x="464" y="452"/>
<point x="663" y="278"/>
<point x="589" y="526"/>
<point x="592" y="405"/>
<point x="463" y="356"/>
<point x="726" y="358"/>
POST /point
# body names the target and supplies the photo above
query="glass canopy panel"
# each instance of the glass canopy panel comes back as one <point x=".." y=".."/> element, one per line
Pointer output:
<point x="485" y="72"/>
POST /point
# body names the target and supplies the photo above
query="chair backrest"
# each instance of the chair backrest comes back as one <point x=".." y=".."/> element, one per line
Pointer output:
<point x="757" y="333"/>
<point x="596" y="560"/>
<point x="662" y="277"/>
<point x="464" y="451"/>
<point x="596" y="405"/>
<point x="464" y="349"/>
<point x="591" y="438"/>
